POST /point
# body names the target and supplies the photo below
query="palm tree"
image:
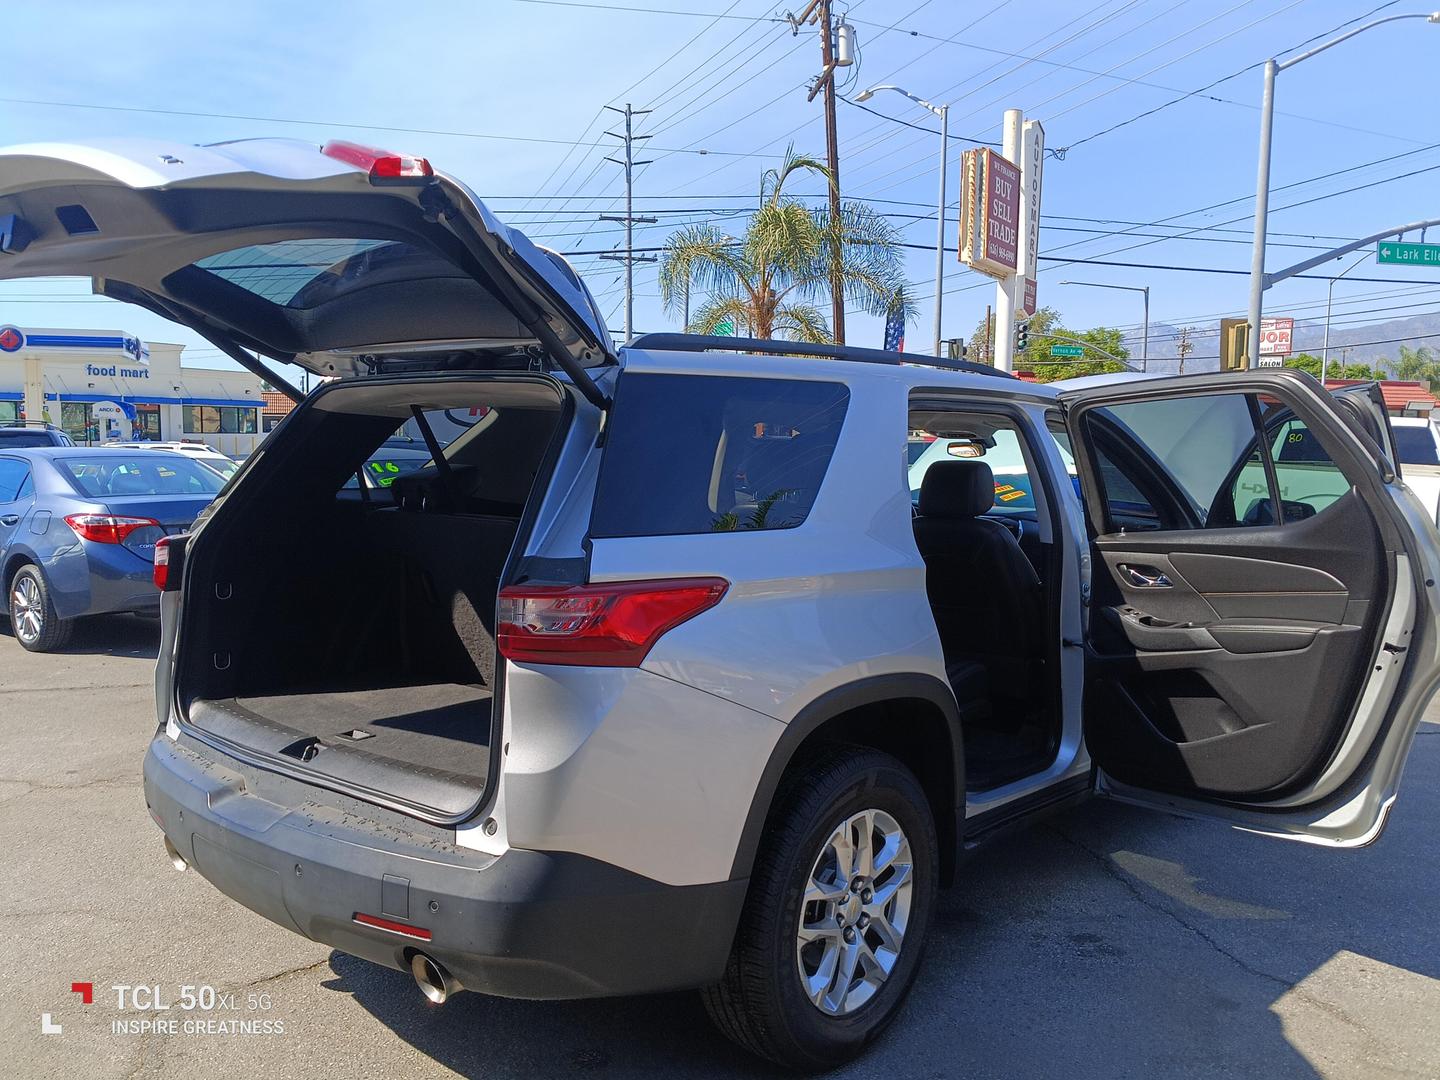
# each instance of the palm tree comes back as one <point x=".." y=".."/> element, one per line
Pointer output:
<point x="766" y="284"/>
<point x="1417" y="364"/>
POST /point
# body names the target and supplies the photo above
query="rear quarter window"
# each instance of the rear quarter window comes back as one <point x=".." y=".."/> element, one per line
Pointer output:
<point x="1415" y="444"/>
<point x="690" y="454"/>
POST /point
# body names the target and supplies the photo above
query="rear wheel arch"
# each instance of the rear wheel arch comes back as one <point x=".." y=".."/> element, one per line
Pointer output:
<point x="12" y="567"/>
<point x="912" y="717"/>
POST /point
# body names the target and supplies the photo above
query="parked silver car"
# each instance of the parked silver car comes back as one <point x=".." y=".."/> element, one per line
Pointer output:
<point x="654" y="677"/>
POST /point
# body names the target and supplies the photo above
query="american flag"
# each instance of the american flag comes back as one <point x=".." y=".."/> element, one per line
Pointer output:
<point x="895" y="332"/>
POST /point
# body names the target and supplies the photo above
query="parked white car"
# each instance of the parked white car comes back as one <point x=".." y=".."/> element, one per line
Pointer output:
<point x="1418" y="444"/>
<point x="202" y="452"/>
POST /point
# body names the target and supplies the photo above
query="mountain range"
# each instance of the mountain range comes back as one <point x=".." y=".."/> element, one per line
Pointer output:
<point x="1370" y="342"/>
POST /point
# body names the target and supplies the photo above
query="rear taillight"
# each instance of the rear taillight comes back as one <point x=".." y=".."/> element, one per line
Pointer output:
<point x="161" y="573"/>
<point x="107" y="528"/>
<point x="382" y="165"/>
<point x="613" y="624"/>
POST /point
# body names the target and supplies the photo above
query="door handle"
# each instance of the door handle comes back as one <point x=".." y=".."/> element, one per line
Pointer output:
<point x="1144" y="577"/>
<point x="10" y="519"/>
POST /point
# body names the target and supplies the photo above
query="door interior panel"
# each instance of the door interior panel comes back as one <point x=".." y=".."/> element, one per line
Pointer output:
<point x="1225" y="661"/>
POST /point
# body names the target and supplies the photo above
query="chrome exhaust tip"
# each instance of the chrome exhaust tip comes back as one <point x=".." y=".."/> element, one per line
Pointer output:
<point x="176" y="859"/>
<point x="434" y="979"/>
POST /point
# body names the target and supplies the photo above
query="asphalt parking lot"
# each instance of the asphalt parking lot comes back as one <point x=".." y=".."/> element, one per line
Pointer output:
<point x="1109" y="942"/>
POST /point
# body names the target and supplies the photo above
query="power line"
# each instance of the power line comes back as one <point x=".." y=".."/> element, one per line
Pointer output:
<point x="1226" y="78"/>
<point x="442" y="132"/>
<point x="649" y="10"/>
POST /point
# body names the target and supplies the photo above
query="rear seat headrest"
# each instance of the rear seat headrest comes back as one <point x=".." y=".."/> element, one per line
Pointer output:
<point x="957" y="489"/>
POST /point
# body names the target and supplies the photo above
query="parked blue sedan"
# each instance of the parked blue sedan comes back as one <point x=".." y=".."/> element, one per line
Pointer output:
<point x="78" y="528"/>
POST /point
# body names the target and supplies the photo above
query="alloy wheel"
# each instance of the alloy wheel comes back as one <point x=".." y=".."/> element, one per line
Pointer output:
<point x="27" y="608"/>
<point x="854" y="912"/>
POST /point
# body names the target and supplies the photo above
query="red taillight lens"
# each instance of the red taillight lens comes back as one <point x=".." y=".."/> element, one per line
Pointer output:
<point x="161" y="573"/>
<point x="607" y="625"/>
<point x="107" y="528"/>
<point x="380" y="164"/>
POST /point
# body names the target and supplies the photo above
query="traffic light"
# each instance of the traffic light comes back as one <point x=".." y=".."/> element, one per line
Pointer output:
<point x="1022" y="336"/>
<point x="956" y="348"/>
<point x="1234" y="344"/>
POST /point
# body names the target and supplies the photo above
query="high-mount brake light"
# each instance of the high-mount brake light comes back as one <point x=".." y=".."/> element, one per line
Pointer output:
<point x="610" y="624"/>
<point x="107" y="528"/>
<point x="382" y="165"/>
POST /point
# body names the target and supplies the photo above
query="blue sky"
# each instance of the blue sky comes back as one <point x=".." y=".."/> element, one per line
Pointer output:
<point x="509" y="95"/>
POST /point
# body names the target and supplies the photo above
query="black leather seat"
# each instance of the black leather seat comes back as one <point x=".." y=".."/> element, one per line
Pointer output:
<point x="984" y="592"/>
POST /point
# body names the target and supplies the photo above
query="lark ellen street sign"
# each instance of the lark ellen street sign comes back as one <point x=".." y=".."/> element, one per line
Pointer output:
<point x="1409" y="254"/>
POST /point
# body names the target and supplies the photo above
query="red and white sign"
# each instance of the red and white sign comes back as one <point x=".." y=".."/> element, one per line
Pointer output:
<point x="990" y="214"/>
<point x="1032" y="166"/>
<point x="1275" y="336"/>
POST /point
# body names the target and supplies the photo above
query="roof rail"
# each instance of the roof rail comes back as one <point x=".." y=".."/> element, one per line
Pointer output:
<point x="707" y="343"/>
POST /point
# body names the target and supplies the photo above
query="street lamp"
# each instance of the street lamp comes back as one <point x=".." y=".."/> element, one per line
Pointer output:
<point x="1262" y="185"/>
<point x="943" y="112"/>
<point x="1145" y="338"/>
<point x="1329" y="298"/>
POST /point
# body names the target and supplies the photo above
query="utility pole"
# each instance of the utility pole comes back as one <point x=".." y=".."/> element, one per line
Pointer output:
<point x="1259" y="280"/>
<point x="1184" y="347"/>
<point x="629" y="258"/>
<point x="818" y="12"/>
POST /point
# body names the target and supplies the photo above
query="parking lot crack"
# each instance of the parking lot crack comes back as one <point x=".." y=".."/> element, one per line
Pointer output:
<point x="1135" y="890"/>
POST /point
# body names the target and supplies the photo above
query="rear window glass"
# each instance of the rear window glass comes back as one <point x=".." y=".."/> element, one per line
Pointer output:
<point x="303" y="273"/>
<point x="1415" y="445"/>
<point x="708" y="453"/>
<point x="103" y="475"/>
<point x="16" y="439"/>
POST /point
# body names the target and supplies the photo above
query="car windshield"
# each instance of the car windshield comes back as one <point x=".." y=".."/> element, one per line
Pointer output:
<point x="1415" y="445"/>
<point x="100" y="476"/>
<point x="224" y="466"/>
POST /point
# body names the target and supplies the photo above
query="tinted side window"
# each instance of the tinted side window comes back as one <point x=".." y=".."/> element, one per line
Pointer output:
<point x="1415" y="445"/>
<point x="1178" y="463"/>
<point x="711" y="453"/>
<point x="1309" y="480"/>
<point x="14" y="478"/>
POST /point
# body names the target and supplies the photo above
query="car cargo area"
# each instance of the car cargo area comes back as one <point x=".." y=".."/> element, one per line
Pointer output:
<point x="346" y="628"/>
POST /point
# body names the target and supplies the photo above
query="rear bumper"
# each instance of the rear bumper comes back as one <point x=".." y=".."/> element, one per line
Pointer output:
<point x="528" y="924"/>
<point x="98" y="579"/>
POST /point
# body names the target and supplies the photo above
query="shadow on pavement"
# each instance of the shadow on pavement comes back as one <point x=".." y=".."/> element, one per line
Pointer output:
<point x="109" y="635"/>
<point x="662" y="1036"/>
<point x="1049" y="958"/>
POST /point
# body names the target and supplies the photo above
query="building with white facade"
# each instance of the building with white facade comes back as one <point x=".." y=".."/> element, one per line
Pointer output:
<point x="104" y="385"/>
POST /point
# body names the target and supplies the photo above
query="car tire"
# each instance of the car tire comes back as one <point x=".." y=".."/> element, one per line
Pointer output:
<point x="32" y="613"/>
<point x="773" y="999"/>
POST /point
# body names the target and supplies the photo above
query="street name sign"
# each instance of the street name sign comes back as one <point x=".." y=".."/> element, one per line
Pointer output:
<point x="1395" y="253"/>
<point x="1067" y="350"/>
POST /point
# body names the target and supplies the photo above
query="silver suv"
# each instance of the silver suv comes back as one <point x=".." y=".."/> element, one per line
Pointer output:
<point x="683" y="664"/>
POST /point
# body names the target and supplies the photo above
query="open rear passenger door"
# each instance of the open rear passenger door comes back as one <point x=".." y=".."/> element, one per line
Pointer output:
<point x="1261" y="634"/>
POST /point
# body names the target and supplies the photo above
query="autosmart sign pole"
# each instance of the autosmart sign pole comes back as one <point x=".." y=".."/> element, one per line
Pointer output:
<point x="1001" y="233"/>
<point x="1032" y="163"/>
